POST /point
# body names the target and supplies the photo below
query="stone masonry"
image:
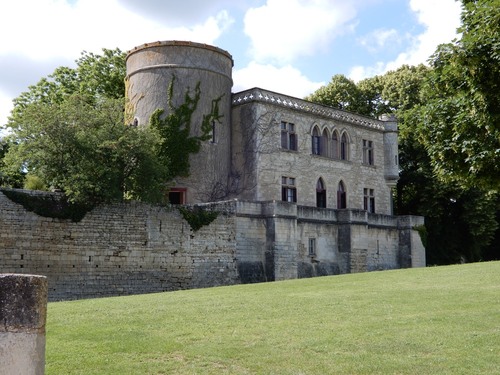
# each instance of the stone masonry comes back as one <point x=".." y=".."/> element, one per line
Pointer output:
<point x="133" y="248"/>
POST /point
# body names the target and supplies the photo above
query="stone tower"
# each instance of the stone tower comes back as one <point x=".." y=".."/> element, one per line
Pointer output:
<point x="150" y="70"/>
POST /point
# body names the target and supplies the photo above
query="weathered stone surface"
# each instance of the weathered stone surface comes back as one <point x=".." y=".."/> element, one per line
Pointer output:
<point x="23" y="300"/>
<point x="23" y="312"/>
<point x="134" y="248"/>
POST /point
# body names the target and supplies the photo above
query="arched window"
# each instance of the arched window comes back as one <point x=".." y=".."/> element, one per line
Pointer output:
<point x="344" y="147"/>
<point x="316" y="142"/>
<point x="341" y="196"/>
<point x="320" y="194"/>
<point x="335" y="145"/>
<point x="324" y="144"/>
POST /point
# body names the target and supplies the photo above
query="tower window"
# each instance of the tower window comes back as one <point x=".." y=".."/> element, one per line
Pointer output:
<point x="177" y="196"/>
<point x="214" y="140"/>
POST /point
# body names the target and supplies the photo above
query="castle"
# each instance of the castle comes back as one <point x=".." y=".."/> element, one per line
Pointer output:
<point x="300" y="190"/>
<point x="268" y="146"/>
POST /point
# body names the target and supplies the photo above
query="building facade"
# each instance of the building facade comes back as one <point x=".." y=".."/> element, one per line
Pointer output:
<point x="268" y="146"/>
<point x="299" y="190"/>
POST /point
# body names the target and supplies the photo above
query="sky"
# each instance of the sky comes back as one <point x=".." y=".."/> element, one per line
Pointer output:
<point x="289" y="46"/>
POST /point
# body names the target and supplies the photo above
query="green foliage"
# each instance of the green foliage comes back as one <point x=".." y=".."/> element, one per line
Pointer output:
<point x="197" y="216"/>
<point x="33" y="182"/>
<point x="174" y="129"/>
<point x="341" y="92"/>
<point x="460" y="220"/>
<point x="68" y="130"/>
<point x="95" y="76"/>
<point x="8" y="178"/>
<point x="460" y="121"/>
<point x="49" y="205"/>
<point x="82" y="148"/>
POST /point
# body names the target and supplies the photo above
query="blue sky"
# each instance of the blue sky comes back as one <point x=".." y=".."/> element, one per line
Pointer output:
<point x="289" y="46"/>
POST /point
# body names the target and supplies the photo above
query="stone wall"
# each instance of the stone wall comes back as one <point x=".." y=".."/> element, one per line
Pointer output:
<point x="133" y="248"/>
<point x="260" y="162"/>
<point x="119" y="249"/>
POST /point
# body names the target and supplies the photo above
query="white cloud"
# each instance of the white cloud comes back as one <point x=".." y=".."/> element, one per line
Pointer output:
<point x="440" y="19"/>
<point x="379" y="38"/>
<point x="287" y="80"/>
<point x="50" y="28"/>
<point x="40" y="35"/>
<point x="357" y="73"/>
<point x="282" y="30"/>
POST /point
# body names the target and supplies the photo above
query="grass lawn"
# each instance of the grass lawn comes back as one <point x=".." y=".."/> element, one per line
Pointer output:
<point x="439" y="320"/>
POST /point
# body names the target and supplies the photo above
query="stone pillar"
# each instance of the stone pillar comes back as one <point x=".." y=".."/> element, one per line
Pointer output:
<point x="411" y="249"/>
<point x="23" y="312"/>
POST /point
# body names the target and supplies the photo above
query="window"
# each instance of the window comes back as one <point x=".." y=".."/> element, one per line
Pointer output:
<point x="214" y="140"/>
<point x="369" y="200"/>
<point x="312" y="246"/>
<point x="316" y="142"/>
<point x="324" y="144"/>
<point x="335" y="145"/>
<point x="341" y="196"/>
<point x="368" y="152"/>
<point x="177" y="196"/>
<point x="320" y="194"/>
<point x="344" y="147"/>
<point x="288" y="136"/>
<point x="288" y="189"/>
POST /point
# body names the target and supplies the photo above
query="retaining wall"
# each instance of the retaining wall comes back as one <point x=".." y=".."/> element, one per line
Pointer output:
<point x="133" y="248"/>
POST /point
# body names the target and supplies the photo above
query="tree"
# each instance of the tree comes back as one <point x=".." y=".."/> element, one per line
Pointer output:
<point x="84" y="149"/>
<point x="68" y="131"/>
<point x="460" y="221"/>
<point x="460" y="122"/>
<point x="341" y="92"/>
<point x="12" y="180"/>
<point x="95" y="76"/>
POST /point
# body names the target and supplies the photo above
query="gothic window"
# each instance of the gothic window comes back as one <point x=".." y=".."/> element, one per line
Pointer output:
<point x="368" y="152"/>
<point x="324" y="144"/>
<point x="344" y="147"/>
<point x="341" y="196"/>
<point x="320" y="194"/>
<point x="288" y="136"/>
<point x="335" y="145"/>
<point x="288" y="189"/>
<point x="316" y="142"/>
<point x="369" y="200"/>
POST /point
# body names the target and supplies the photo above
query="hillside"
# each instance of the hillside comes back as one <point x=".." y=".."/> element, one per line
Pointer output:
<point x="440" y="320"/>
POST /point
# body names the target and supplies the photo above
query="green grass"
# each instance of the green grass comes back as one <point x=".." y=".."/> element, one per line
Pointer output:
<point x="440" y="320"/>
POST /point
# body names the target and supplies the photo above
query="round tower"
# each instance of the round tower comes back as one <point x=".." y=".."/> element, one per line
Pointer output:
<point x="151" y="68"/>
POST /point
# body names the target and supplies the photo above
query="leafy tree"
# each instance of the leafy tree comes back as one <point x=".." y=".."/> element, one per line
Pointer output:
<point x="341" y="92"/>
<point x="460" y="221"/>
<point x="12" y="180"/>
<point x="95" y="76"/>
<point x="82" y="148"/>
<point x="461" y="118"/>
